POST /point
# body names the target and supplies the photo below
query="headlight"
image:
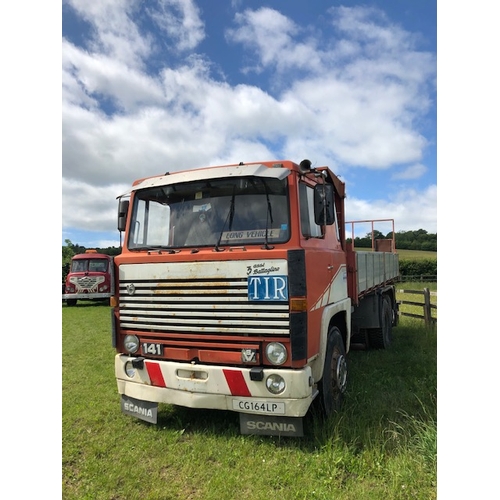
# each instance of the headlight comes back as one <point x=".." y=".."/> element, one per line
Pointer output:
<point x="275" y="384"/>
<point x="129" y="369"/>
<point x="131" y="343"/>
<point x="276" y="353"/>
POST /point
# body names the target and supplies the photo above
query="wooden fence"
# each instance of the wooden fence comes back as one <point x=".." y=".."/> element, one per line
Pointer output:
<point x="426" y="306"/>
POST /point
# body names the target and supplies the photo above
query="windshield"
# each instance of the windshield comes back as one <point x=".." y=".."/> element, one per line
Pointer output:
<point x="229" y="211"/>
<point x="89" y="265"/>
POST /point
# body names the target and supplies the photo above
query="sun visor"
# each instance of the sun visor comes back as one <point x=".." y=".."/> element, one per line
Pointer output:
<point x="254" y="170"/>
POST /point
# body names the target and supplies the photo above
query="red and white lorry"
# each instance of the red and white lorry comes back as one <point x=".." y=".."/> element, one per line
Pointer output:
<point x="236" y="290"/>
<point x="90" y="277"/>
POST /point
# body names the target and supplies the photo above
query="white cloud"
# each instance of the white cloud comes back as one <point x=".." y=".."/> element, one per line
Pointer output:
<point x="361" y="123"/>
<point x="360" y="96"/>
<point x="411" y="172"/>
<point x="89" y="77"/>
<point x="369" y="26"/>
<point x="273" y="37"/>
<point x="410" y="209"/>
<point x="82" y="201"/>
<point x="114" y="32"/>
<point x="179" y="19"/>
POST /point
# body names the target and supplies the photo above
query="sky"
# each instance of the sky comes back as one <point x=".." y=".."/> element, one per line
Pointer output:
<point x="167" y="85"/>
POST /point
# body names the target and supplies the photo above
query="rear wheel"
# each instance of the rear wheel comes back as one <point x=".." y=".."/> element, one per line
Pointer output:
<point x="71" y="302"/>
<point x="334" y="382"/>
<point x="381" y="338"/>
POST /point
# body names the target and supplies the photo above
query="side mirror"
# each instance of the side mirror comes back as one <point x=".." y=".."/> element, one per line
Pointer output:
<point x="324" y="206"/>
<point x="122" y="214"/>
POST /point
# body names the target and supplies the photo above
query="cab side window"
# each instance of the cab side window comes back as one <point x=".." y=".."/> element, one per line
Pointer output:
<point x="306" y="199"/>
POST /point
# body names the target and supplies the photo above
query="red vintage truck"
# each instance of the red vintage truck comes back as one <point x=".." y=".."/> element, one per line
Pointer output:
<point x="236" y="290"/>
<point x="90" y="277"/>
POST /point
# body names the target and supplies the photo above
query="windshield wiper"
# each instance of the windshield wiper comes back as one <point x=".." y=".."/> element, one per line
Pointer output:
<point x="154" y="248"/>
<point x="229" y="217"/>
<point x="269" y="216"/>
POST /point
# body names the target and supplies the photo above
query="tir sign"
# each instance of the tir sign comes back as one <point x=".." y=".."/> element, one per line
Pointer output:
<point x="261" y="288"/>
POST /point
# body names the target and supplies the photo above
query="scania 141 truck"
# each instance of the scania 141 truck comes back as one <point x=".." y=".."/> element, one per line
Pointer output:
<point x="237" y="290"/>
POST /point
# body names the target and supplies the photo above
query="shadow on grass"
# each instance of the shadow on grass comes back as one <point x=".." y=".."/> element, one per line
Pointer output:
<point x="389" y="390"/>
<point x="87" y="303"/>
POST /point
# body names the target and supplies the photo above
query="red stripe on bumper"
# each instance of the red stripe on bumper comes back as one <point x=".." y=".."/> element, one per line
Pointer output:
<point x="155" y="374"/>
<point x="236" y="383"/>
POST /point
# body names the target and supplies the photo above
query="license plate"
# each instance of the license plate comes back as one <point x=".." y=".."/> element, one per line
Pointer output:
<point x="153" y="349"/>
<point x="263" y="407"/>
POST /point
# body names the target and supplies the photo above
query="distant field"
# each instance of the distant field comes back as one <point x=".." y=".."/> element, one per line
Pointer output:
<point x="416" y="254"/>
<point x="408" y="254"/>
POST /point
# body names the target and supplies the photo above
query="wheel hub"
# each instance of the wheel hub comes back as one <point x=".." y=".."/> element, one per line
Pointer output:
<point x="341" y="372"/>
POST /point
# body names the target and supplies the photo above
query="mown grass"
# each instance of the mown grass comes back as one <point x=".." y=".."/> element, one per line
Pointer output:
<point x="408" y="254"/>
<point x="416" y="254"/>
<point x="382" y="445"/>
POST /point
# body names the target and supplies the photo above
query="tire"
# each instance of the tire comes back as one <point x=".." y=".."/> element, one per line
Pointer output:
<point x="333" y="384"/>
<point x="381" y="338"/>
<point x="71" y="302"/>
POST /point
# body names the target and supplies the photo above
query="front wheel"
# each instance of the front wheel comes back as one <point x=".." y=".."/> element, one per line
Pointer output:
<point x="334" y="382"/>
<point x="71" y="302"/>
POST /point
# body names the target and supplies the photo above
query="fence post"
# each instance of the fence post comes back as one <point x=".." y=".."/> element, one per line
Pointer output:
<point x="427" y="308"/>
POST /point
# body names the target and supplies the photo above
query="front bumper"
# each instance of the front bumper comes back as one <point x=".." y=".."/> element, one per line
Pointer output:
<point x="215" y="387"/>
<point x="86" y="296"/>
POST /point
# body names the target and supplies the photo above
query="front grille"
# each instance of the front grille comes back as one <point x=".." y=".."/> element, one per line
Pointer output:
<point x="199" y="306"/>
<point x="86" y="283"/>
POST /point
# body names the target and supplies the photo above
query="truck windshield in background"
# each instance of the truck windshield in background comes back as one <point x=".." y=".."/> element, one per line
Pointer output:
<point x="89" y="265"/>
<point x="227" y="211"/>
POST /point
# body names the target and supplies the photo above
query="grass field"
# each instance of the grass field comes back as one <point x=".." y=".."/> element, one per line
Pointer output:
<point x="416" y="254"/>
<point x="382" y="445"/>
<point x="409" y="254"/>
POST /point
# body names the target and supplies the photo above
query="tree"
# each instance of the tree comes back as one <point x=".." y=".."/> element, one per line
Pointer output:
<point x="377" y="235"/>
<point x="67" y="252"/>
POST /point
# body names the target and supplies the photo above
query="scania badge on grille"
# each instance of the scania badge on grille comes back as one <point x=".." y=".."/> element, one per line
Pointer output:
<point x="131" y="289"/>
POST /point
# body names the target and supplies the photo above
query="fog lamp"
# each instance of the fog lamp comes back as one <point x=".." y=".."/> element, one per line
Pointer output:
<point x="275" y="383"/>
<point x="129" y="369"/>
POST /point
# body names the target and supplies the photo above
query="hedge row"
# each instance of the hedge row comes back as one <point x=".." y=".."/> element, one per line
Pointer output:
<point x="427" y="267"/>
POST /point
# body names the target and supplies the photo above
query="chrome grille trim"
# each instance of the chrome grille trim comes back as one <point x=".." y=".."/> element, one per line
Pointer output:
<point x="214" y="305"/>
